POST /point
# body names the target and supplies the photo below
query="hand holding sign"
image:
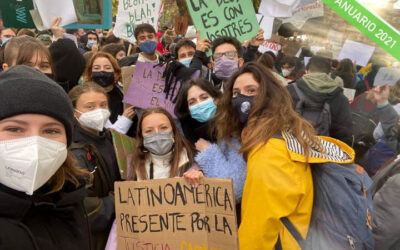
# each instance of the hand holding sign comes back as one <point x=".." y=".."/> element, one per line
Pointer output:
<point x="56" y="29"/>
<point x="202" y="45"/>
<point x="258" y="39"/>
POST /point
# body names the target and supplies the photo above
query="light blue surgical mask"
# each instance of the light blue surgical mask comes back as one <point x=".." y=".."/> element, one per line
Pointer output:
<point x="4" y="40"/>
<point x="203" y="111"/>
<point x="186" y="62"/>
<point x="90" y="43"/>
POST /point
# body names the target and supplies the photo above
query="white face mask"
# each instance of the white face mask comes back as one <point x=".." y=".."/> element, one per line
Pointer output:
<point x="28" y="163"/>
<point x="286" y="72"/>
<point x="95" y="119"/>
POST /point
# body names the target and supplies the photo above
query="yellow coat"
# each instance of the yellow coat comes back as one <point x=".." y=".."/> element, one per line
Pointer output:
<point x="279" y="184"/>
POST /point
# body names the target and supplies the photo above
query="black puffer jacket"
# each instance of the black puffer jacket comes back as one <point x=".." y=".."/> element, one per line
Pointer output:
<point x="45" y="222"/>
<point x="341" y="126"/>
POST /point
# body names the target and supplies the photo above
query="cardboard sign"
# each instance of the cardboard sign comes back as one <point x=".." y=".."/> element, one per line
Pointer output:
<point x="147" y="88"/>
<point x="215" y="18"/>
<point x="357" y="52"/>
<point x="15" y="13"/>
<point x="387" y="76"/>
<point x="124" y="147"/>
<point x="127" y="73"/>
<point x="132" y="12"/>
<point x="171" y="214"/>
<point x="269" y="46"/>
<point x="181" y="25"/>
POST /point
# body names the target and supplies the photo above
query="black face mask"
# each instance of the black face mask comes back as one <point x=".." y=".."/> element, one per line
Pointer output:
<point x="242" y="105"/>
<point x="103" y="78"/>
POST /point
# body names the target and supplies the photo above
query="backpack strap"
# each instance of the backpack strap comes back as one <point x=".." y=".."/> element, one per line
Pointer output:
<point x="300" y="94"/>
<point x="293" y="231"/>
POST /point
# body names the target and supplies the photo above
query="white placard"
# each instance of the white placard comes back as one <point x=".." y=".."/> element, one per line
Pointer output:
<point x="387" y="76"/>
<point x="49" y="9"/>
<point x="359" y="53"/>
<point x="132" y="12"/>
<point x="274" y="8"/>
<point x="269" y="46"/>
<point x="267" y="24"/>
<point x="303" y="13"/>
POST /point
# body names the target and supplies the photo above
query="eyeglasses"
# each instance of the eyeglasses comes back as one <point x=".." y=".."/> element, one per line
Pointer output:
<point x="230" y="54"/>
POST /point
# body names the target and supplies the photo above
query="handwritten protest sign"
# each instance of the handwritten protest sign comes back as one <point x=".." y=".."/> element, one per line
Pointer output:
<point x="216" y="18"/>
<point x="124" y="147"/>
<point x="387" y="76"/>
<point x="127" y="73"/>
<point x="147" y="88"/>
<point x="132" y="12"/>
<point x="171" y="214"/>
<point x="357" y="52"/>
<point x="305" y="12"/>
<point x="269" y="46"/>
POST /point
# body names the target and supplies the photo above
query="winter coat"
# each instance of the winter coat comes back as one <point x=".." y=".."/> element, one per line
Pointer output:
<point x="43" y="221"/>
<point x="279" y="184"/>
<point x="341" y="119"/>
<point x="386" y="200"/>
<point x="100" y="200"/>
<point x="224" y="161"/>
<point x="193" y="130"/>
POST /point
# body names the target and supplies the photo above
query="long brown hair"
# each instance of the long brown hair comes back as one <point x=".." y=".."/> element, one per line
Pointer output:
<point x="271" y="112"/>
<point x="71" y="172"/>
<point x="140" y="154"/>
<point x="87" y="75"/>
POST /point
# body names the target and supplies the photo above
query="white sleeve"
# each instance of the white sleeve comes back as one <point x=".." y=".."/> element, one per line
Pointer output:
<point x="122" y="124"/>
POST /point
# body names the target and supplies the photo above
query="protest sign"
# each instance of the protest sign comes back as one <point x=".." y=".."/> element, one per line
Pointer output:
<point x="215" y="18"/>
<point x="124" y="147"/>
<point x="370" y="24"/>
<point x="349" y="93"/>
<point x="357" y="52"/>
<point x="387" y="76"/>
<point x="47" y="10"/>
<point x="171" y="214"/>
<point x="15" y="13"/>
<point x="99" y="16"/>
<point x="267" y="24"/>
<point x="127" y="73"/>
<point x="181" y="25"/>
<point x="315" y="49"/>
<point x="132" y="12"/>
<point x="274" y="8"/>
<point x="269" y="46"/>
<point x="147" y="88"/>
<point x="305" y="12"/>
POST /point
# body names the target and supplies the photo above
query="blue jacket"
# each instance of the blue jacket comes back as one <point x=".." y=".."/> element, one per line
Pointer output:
<point x="223" y="161"/>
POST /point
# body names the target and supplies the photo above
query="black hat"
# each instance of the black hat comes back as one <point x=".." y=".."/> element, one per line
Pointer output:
<point x="25" y="90"/>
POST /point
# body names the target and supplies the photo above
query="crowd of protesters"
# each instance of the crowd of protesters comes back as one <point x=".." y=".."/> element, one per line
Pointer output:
<point x="244" y="117"/>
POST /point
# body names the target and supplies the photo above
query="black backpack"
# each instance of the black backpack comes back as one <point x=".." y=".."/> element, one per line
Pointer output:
<point x="318" y="114"/>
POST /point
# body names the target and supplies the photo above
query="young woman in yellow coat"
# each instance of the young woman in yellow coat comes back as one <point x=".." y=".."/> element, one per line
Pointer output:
<point x="275" y="142"/>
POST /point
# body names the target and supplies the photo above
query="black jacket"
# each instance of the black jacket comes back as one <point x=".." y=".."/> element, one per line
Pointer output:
<point x="341" y="126"/>
<point x="45" y="222"/>
<point x="194" y="130"/>
<point x="100" y="200"/>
